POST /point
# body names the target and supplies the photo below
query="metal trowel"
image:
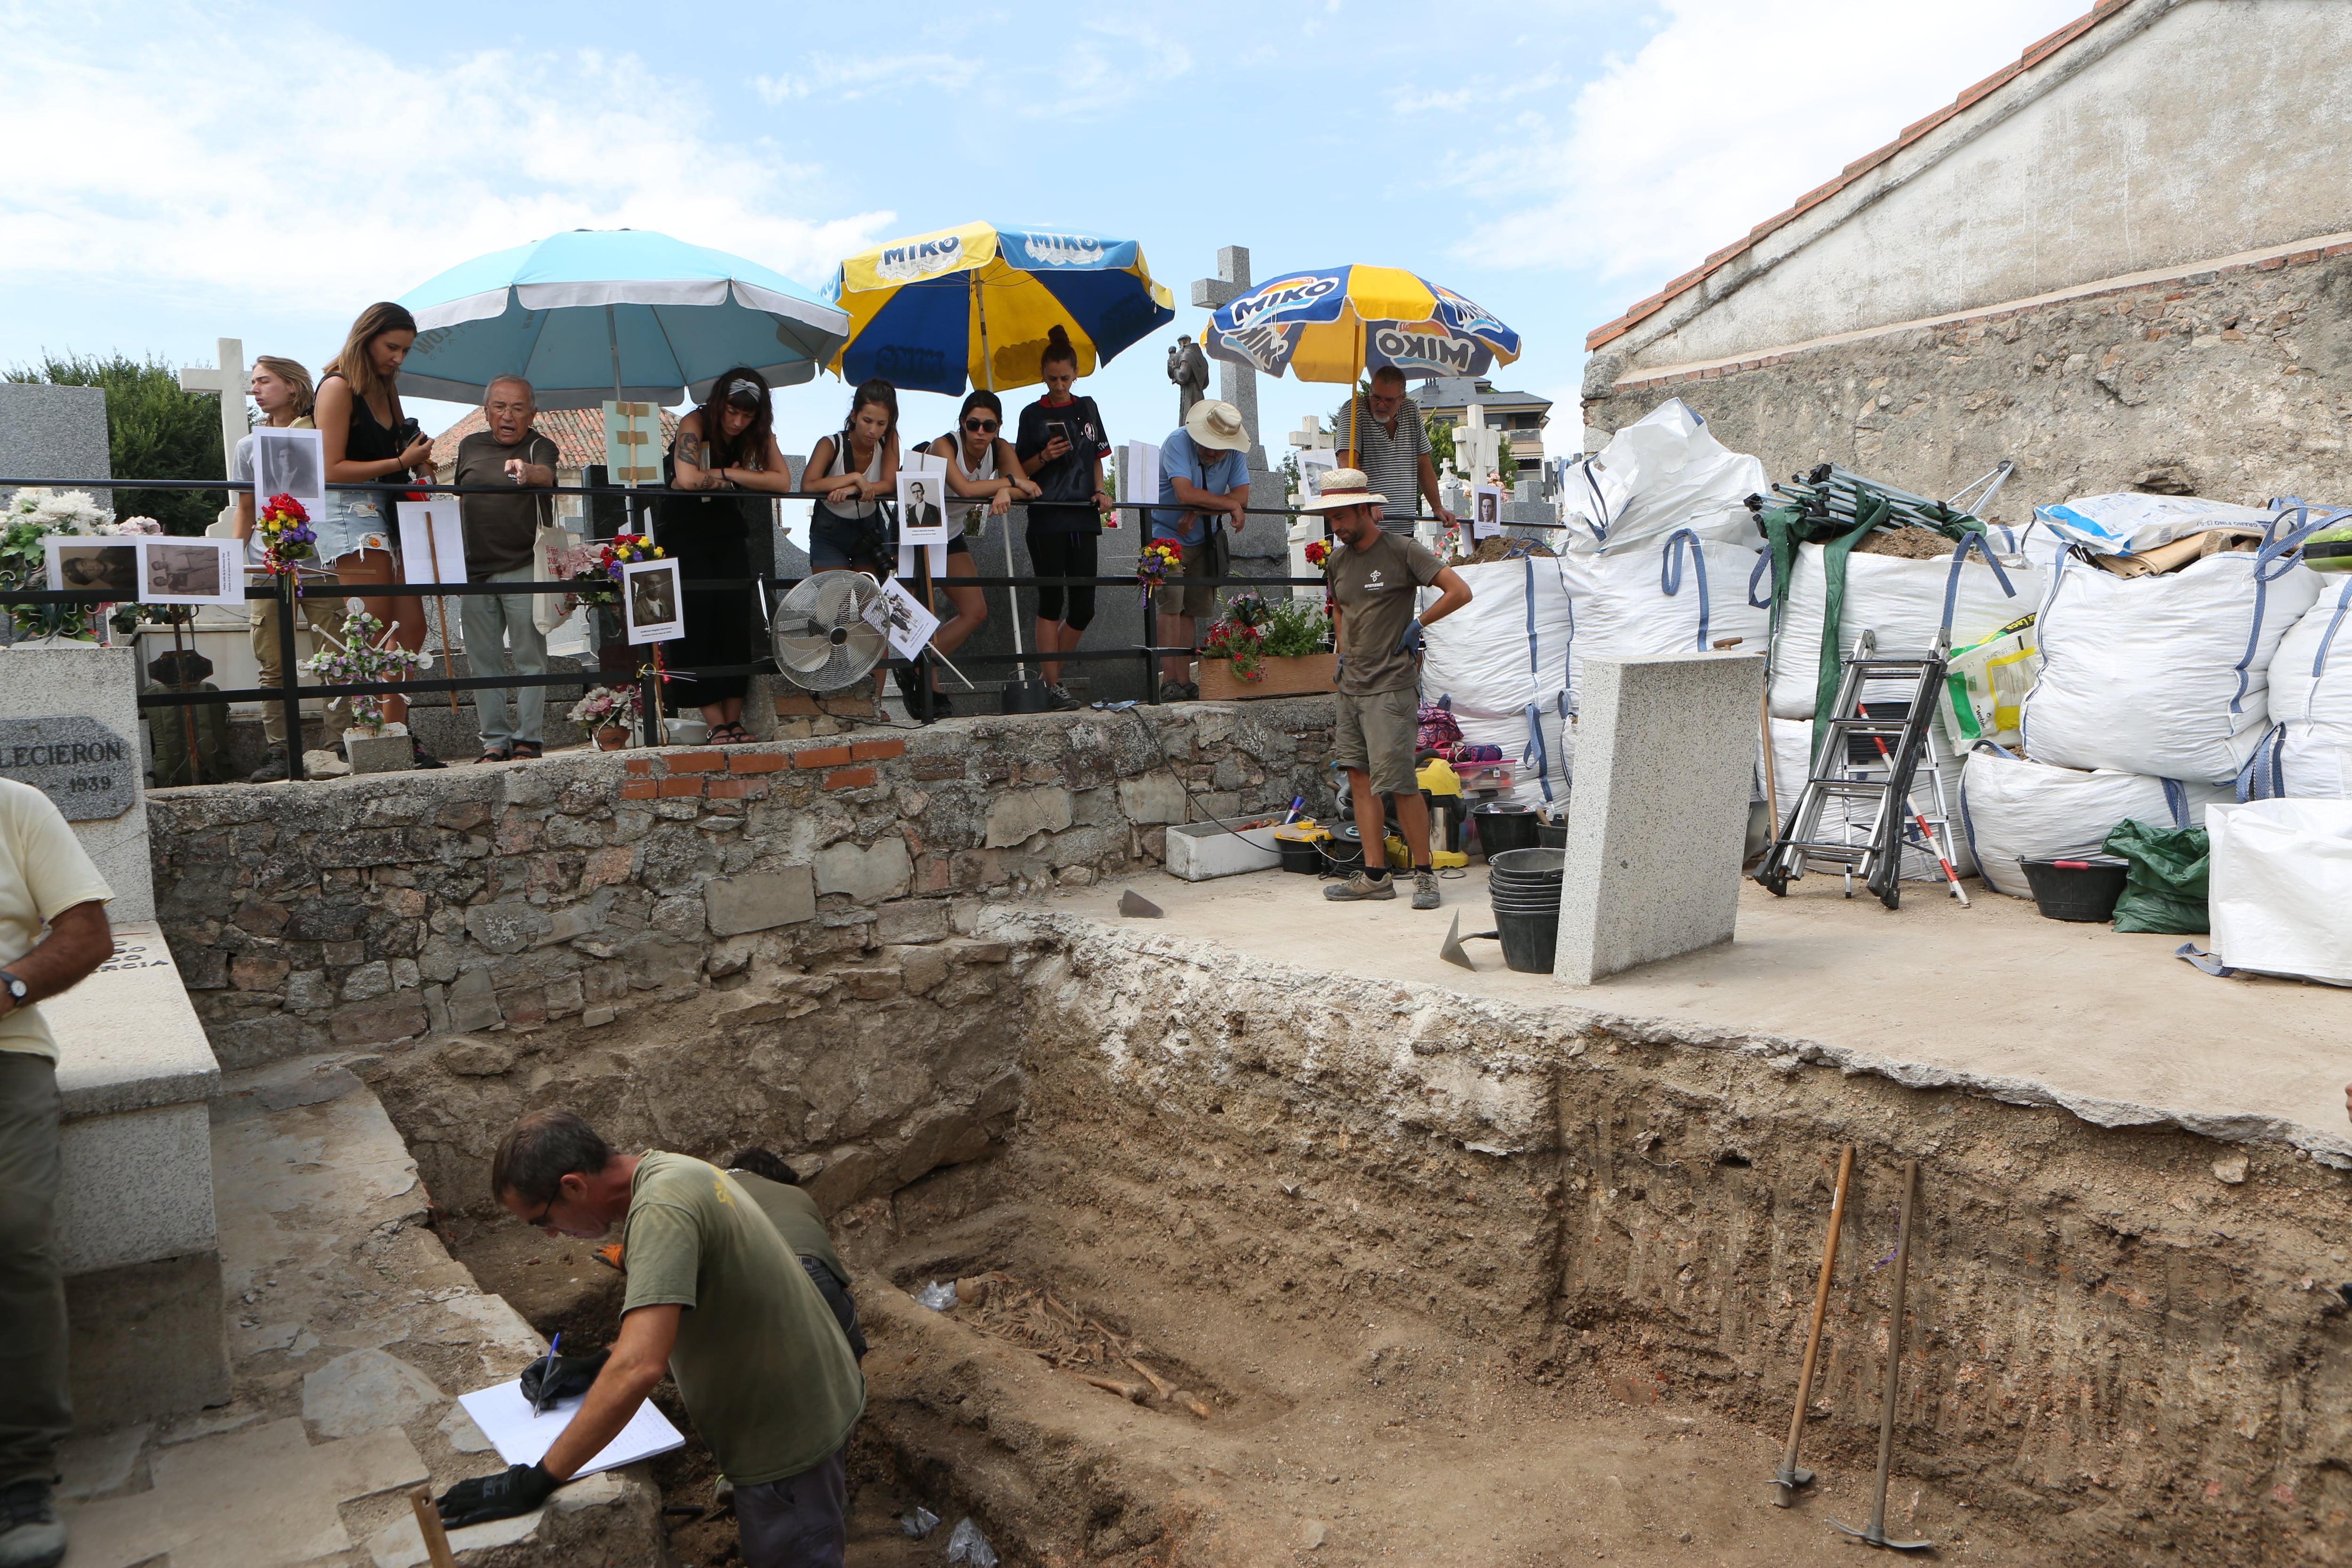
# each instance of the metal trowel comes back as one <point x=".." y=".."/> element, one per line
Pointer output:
<point x="1453" y="952"/>
<point x="1131" y="902"/>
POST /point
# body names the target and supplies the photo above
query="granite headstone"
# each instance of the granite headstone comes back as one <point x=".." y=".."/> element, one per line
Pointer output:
<point x="52" y="433"/>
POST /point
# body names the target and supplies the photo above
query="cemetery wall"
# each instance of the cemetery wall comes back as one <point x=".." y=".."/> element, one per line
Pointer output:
<point x="635" y="907"/>
<point x="2233" y="382"/>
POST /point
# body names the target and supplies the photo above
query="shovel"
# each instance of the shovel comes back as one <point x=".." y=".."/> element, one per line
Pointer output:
<point x="1875" y="1535"/>
<point x="1453" y="951"/>
<point x="1790" y="1478"/>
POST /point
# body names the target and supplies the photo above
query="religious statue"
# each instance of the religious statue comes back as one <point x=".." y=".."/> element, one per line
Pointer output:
<point x="1188" y="367"/>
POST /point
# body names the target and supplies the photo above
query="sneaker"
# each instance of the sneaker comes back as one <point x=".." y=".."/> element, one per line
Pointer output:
<point x="422" y="758"/>
<point x="1424" y="887"/>
<point x="272" y="769"/>
<point x="1063" y="701"/>
<point x="30" y="1535"/>
<point x="1360" y="886"/>
<point x="1192" y="692"/>
<point x="1176" y="692"/>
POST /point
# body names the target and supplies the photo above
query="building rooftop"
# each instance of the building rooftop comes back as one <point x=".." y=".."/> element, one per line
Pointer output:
<point x="1462" y="391"/>
<point x="578" y="435"/>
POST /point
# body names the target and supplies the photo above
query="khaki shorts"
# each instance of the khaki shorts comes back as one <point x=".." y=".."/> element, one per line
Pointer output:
<point x="1379" y="734"/>
<point x="1206" y="559"/>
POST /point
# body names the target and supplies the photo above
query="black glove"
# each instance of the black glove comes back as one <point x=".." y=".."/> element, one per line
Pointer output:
<point x="1409" y="641"/>
<point x="515" y="1490"/>
<point x="570" y="1377"/>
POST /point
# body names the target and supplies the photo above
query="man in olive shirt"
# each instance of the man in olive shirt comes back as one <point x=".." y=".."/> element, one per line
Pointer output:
<point x="1373" y="577"/>
<point x="715" y="1298"/>
<point x="500" y="534"/>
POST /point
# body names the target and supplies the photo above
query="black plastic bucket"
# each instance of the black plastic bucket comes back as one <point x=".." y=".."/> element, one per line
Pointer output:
<point x="1551" y="834"/>
<point x="2076" y="890"/>
<point x="1302" y="855"/>
<point x="1528" y="865"/>
<point x="1502" y="828"/>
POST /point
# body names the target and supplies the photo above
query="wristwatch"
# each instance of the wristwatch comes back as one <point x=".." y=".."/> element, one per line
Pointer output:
<point x="15" y="988"/>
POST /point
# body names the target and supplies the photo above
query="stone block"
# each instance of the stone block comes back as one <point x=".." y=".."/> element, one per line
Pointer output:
<point x="90" y="692"/>
<point x="760" y="900"/>
<point x="866" y="875"/>
<point x="506" y="927"/>
<point x="1657" y="818"/>
<point x="147" y="1340"/>
<point x="847" y="1174"/>
<point x="473" y="1003"/>
<point x="379" y="754"/>
<point x="1018" y="815"/>
<point x="914" y="921"/>
<point x="138" y="1186"/>
<point x="381" y="1022"/>
<point x="1154" y="798"/>
<point x="367" y="1389"/>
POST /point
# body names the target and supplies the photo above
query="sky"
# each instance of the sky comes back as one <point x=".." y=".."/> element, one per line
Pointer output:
<point x="178" y="172"/>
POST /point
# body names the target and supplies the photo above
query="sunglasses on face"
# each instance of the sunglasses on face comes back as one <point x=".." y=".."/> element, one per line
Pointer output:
<point x="980" y="426"/>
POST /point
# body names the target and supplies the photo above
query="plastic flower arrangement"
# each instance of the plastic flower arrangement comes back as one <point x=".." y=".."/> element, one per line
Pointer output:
<point x="1244" y="645"/>
<point x="1247" y="606"/>
<point x="1158" y="559"/>
<point x="597" y="566"/>
<point x="608" y="707"/>
<point x="1318" y="551"/>
<point x="365" y="659"/>
<point x="284" y="528"/>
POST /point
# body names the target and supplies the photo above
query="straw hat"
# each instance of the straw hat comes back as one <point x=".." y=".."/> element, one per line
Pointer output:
<point x="1217" y="424"/>
<point x="1344" y="487"/>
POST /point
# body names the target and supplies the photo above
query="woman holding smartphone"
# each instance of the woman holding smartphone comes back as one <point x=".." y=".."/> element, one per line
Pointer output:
<point x="1061" y="447"/>
<point x="981" y="468"/>
<point x="725" y="457"/>
<point x="849" y="473"/>
<point x="367" y="440"/>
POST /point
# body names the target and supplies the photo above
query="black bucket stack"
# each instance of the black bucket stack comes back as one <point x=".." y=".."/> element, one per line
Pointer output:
<point x="1524" y="886"/>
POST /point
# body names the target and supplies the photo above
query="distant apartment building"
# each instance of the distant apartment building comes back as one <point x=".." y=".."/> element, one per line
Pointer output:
<point x="1449" y="398"/>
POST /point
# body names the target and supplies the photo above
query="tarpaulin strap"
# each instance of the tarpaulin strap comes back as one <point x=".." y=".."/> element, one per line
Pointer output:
<point x="2264" y="775"/>
<point x="2190" y="954"/>
<point x="1536" y="748"/>
<point x="1756" y="575"/>
<point x="1952" y="583"/>
<point x="2278" y="552"/>
<point x="1568" y="648"/>
<point x="2175" y="800"/>
<point x="1670" y="573"/>
<point x="1831" y="671"/>
<point x="2327" y="638"/>
<point x="1597" y="520"/>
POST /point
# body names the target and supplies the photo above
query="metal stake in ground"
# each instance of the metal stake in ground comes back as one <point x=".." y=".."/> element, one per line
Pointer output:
<point x="1875" y="1535"/>
<point x="1790" y="1478"/>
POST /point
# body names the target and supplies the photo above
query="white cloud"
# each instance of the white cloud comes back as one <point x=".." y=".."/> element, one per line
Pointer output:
<point x="1731" y="111"/>
<point x="859" y="76"/>
<point x="340" y="174"/>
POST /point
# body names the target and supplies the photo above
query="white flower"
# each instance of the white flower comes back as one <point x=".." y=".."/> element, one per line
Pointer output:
<point x="138" y="525"/>
<point x="64" y="512"/>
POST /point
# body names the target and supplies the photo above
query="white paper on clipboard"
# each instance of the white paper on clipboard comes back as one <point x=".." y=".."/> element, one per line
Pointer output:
<point x="522" y="1438"/>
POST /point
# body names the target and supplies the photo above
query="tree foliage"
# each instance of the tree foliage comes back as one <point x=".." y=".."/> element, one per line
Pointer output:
<point x="154" y="431"/>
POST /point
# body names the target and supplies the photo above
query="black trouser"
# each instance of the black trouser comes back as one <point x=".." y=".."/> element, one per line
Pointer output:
<point x="1064" y="556"/>
<point x="35" y="1412"/>
<point x="836" y="1296"/>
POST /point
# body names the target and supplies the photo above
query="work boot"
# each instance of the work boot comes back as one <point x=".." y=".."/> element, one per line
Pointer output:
<point x="1424" y="887"/>
<point x="1361" y="886"/>
<point x="1063" y="701"/>
<point x="272" y="769"/>
<point x="30" y="1535"/>
<point x="1174" y="691"/>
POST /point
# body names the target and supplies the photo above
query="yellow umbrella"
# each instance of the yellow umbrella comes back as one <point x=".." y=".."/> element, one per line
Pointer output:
<point x="934" y="311"/>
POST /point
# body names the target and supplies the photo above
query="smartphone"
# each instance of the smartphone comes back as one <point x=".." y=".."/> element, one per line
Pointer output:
<point x="1056" y="430"/>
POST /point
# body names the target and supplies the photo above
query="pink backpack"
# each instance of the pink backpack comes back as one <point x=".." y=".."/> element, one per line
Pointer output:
<point x="1438" y="729"/>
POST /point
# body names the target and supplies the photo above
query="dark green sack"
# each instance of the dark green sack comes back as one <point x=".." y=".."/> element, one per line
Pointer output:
<point x="2163" y="891"/>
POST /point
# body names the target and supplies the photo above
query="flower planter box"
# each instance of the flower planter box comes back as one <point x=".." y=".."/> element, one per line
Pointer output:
<point x="1278" y="678"/>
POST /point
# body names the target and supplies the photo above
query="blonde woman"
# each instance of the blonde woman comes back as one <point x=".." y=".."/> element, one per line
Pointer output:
<point x="281" y="388"/>
<point x="367" y="441"/>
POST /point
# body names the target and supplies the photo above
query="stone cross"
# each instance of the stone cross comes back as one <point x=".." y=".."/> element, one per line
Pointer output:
<point x="1310" y="435"/>
<point x="1478" y="446"/>
<point x="1236" y="384"/>
<point x="229" y="382"/>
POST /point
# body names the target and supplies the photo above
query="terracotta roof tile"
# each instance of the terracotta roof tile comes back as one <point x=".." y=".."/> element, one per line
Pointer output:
<point x="578" y="435"/>
<point x="2038" y="50"/>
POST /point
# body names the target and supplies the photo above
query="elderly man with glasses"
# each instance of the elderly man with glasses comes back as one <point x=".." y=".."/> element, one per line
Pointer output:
<point x="1386" y="441"/>
<point x="502" y="546"/>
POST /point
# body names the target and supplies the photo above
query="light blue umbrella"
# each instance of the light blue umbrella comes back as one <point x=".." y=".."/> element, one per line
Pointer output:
<point x="623" y="313"/>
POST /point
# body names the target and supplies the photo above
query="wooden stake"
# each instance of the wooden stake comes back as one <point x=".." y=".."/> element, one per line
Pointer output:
<point x="428" y="1525"/>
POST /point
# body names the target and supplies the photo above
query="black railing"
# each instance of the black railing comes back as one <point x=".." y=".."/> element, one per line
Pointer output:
<point x="291" y="691"/>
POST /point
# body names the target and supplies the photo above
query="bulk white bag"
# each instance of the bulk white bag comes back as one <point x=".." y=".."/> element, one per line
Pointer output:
<point x="1687" y="594"/>
<point x="2308" y="755"/>
<point x="1903" y="601"/>
<point x="1665" y="471"/>
<point x="2164" y="675"/>
<point x="2013" y="810"/>
<point x="1500" y="664"/>
<point x="2281" y="887"/>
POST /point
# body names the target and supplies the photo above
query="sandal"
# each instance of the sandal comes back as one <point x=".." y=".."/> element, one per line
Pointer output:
<point x="731" y="734"/>
<point x="525" y="752"/>
<point x="493" y="755"/>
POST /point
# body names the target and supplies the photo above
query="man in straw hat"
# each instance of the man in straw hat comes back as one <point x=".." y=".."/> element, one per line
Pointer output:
<point x="1203" y="486"/>
<point x="1373" y="577"/>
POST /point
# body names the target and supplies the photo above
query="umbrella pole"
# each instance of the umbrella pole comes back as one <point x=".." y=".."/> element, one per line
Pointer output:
<point x="988" y="379"/>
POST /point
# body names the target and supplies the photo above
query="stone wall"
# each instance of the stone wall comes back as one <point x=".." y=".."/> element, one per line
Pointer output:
<point x="2234" y="383"/>
<point x="571" y="892"/>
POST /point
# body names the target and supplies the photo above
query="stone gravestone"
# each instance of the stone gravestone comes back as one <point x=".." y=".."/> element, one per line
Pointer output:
<point x="135" y="1224"/>
<point x="52" y="433"/>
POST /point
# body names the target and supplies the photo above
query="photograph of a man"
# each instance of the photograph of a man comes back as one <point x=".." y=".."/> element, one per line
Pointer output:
<point x="81" y="568"/>
<point x="184" y="570"/>
<point x="920" y="521"/>
<point x="1489" y="510"/>
<point x="289" y="462"/>
<point x="651" y="601"/>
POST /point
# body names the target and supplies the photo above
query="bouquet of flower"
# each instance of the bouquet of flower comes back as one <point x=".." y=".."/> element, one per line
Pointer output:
<point x="1158" y="559"/>
<point x="608" y="707"/>
<point x="1318" y="551"/>
<point x="1244" y="645"/>
<point x="34" y="515"/>
<point x="596" y="565"/>
<point x="363" y="658"/>
<point x="284" y="528"/>
<point x="1247" y="606"/>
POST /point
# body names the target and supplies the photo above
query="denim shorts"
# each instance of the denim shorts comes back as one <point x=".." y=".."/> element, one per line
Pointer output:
<point x="836" y="542"/>
<point x="353" y="520"/>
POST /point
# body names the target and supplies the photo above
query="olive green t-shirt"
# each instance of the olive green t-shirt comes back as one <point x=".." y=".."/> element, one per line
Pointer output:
<point x="760" y="1361"/>
<point x="795" y="1214"/>
<point x="1374" y="590"/>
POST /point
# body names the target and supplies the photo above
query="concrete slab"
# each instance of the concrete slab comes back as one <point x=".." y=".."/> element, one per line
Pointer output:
<point x="2112" y="1027"/>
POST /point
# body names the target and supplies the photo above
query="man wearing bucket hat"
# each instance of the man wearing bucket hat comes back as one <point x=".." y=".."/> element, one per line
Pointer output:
<point x="1373" y="577"/>
<point x="1203" y="486"/>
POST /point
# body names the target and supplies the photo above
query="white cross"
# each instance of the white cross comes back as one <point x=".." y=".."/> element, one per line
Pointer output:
<point x="1311" y="436"/>
<point x="228" y="383"/>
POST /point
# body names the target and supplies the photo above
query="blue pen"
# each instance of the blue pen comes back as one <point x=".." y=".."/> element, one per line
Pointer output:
<point x="546" y="1376"/>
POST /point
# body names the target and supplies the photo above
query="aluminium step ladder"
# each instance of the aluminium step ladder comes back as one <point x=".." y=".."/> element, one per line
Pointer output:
<point x="1871" y="850"/>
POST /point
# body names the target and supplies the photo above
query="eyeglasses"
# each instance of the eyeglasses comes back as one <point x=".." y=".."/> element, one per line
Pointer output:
<point x="981" y="426"/>
<point x="546" y="1213"/>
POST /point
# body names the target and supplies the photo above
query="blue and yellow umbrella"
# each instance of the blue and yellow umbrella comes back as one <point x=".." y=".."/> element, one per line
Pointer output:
<point x="1334" y="323"/>
<point x="970" y="305"/>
